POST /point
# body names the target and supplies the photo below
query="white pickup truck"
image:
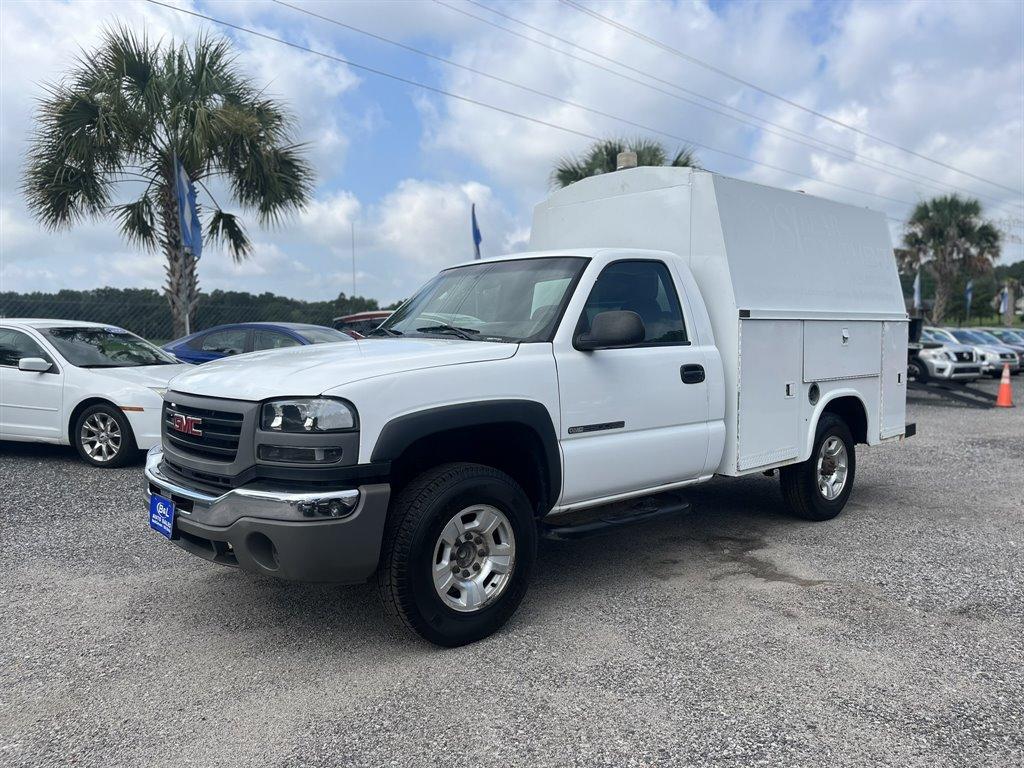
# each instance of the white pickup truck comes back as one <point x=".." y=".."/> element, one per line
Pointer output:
<point x="671" y="325"/>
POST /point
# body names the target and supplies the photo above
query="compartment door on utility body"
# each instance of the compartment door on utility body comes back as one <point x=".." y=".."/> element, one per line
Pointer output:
<point x="633" y="418"/>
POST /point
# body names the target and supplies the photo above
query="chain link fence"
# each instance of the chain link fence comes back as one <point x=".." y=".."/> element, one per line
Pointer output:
<point x="146" y="312"/>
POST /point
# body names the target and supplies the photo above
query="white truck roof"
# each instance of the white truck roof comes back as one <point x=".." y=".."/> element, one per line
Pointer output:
<point x="750" y="247"/>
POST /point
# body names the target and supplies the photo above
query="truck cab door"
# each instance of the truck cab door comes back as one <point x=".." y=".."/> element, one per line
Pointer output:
<point x="632" y="418"/>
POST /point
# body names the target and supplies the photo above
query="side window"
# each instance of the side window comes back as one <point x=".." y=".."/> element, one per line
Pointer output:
<point x="272" y="340"/>
<point x="226" y="342"/>
<point x="644" y="287"/>
<point x="15" y="345"/>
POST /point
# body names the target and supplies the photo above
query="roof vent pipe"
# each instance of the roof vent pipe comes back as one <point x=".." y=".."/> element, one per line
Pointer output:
<point x="625" y="160"/>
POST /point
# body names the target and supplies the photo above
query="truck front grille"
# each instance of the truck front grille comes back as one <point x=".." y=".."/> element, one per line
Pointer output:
<point x="208" y="434"/>
<point x="965" y="357"/>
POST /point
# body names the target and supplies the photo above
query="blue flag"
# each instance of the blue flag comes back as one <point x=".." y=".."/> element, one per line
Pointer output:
<point x="477" y="238"/>
<point x="969" y="296"/>
<point x="188" y="215"/>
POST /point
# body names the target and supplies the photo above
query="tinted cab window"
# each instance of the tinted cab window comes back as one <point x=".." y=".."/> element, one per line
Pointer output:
<point x="644" y="287"/>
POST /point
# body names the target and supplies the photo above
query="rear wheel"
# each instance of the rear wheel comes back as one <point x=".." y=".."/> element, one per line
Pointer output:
<point x="458" y="552"/>
<point x="818" y="489"/>
<point x="103" y="436"/>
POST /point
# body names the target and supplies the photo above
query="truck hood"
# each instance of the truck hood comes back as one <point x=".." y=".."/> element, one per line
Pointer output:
<point x="311" y="370"/>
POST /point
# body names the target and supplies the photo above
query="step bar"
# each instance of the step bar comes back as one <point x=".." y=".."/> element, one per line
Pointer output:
<point x="601" y="520"/>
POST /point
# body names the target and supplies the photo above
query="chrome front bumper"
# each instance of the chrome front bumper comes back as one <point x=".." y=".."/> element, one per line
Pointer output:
<point x="293" y="536"/>
<point x="250" y="501"/>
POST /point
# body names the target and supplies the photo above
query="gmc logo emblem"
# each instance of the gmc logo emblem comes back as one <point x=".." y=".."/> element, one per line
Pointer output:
<point x="188" y="425"/>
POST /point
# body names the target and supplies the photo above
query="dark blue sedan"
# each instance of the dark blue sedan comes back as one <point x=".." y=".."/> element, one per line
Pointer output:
<point x="226" y="340"/>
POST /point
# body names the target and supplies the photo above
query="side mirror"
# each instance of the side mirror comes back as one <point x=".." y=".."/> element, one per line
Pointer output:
<point x="34" y="364"/>
<point x="619" y="328"/>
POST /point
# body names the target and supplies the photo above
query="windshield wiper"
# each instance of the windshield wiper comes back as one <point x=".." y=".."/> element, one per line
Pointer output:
<point x="380" y="329"/>
<point x="462" y="333"/>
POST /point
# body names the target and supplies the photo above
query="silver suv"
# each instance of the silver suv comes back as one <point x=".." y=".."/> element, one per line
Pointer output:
<point x="991" y="354"/>
<point x="942" y="359"/>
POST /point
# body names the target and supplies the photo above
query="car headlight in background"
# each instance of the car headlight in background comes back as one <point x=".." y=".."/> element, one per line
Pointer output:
<point x="951" y="356"/>
<point x="308" y="416"/>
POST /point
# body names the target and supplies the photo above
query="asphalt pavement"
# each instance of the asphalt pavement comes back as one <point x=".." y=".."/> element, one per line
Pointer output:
<point x="893" y="635"/>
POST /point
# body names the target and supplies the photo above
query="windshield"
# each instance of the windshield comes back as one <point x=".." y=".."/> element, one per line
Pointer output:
<point x="322" y="335"/>
<point x="987" y="337"/>
<point x="105" y="348"/>
<point x="969" y="337"/>
<point x="1014" y="337"/>
<point x="514" y="301"/>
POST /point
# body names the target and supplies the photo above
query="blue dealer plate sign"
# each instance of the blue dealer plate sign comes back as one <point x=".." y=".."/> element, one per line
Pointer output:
<point x="161" y="515"/>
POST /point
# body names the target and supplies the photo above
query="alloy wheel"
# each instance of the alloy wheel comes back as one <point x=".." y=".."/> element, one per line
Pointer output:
<point x="101" y="437"/>
<point x="474" y="558"/>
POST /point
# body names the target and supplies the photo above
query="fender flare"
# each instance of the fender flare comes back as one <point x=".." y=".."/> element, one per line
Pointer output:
<point x="402" y="431"/>
<point x="819" y="409"/>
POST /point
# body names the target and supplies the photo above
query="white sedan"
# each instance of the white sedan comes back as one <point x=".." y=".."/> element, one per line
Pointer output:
<point x="96" y="387"/>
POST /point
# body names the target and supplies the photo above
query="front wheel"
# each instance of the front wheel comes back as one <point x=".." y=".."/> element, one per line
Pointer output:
<point x="458" y="551"/>
<point x="103" y="436"/>
<point x="818" y="489"/>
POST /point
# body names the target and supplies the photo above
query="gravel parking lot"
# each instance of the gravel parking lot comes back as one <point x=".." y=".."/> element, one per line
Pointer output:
<point x="736" y="636"/>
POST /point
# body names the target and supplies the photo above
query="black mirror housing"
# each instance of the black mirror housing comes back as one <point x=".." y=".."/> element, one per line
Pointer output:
<point x="618" y="328"/>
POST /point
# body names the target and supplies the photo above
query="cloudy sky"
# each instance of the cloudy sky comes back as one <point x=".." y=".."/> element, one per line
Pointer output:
<point x="403" y="164"/>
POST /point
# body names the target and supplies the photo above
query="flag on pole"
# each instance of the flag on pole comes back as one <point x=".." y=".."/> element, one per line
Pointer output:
<point x="917" y="290"/>
<point x="477" y="238"/>
<point x="1004" y="300"/>
<point x="188" y="215"/>
<point x="969" y="295"/>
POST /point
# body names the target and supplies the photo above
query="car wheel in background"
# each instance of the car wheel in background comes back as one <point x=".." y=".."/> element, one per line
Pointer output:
<point x="818" y="489"/>
<point x="458" y="551"/>
<point x="917" y="370"/>
<point x="103" y="436"/>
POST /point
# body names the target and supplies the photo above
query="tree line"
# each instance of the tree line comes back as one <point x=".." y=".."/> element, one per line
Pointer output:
<point x="145" y="311"/>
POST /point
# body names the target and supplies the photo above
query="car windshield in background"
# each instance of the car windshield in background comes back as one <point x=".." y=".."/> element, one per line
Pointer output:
<point x="969" y="337"/>
<point x="105" y="348"/>
<point x="987" y="337"/>
<point x="514" y="301"/>
<point x="322" y="335"/>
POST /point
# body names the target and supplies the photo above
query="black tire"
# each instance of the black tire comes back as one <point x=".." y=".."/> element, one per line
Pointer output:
<point x="799" y="482"/>
<point x="917" y="370"/>
<point x="418" y="515"/>
<point x="126" y="448"/>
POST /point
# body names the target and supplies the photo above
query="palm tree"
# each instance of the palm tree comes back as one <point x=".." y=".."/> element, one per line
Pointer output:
<point x="602" y="157"/>
<point x="111" y="128"/>
<point x="947" y="236"/>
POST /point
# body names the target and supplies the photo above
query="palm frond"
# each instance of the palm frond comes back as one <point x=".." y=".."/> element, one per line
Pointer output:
<point x="225" y="229"/>
<point x="137" y="221"/>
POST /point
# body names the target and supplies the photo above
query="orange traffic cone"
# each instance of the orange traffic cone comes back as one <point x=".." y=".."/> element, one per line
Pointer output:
<point x="1005" y="399"/>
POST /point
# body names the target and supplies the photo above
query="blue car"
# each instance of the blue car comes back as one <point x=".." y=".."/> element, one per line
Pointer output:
<point x="236" y="338"/>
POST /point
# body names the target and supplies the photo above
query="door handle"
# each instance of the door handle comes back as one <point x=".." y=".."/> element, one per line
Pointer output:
<point x="691" y="373"/>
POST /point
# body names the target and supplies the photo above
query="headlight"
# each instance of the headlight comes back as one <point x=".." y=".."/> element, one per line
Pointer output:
<point x="949" y="356"/>
<point x="307" y="416"/>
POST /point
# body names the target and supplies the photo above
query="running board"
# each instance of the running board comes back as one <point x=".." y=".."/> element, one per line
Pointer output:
<point x="593" y="522"/>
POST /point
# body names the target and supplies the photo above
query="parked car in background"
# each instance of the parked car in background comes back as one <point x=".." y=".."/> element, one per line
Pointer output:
<point x="236" y="338"/>
<point x="96" y="387"/>
<point x="945" y="360"/>
<point x="1007" y="337"/>
<point x="992" y="354"/>
<point x="360" y="324"/>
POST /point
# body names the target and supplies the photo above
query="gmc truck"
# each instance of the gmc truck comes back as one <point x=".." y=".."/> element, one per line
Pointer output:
<point x="669" y="325"/>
